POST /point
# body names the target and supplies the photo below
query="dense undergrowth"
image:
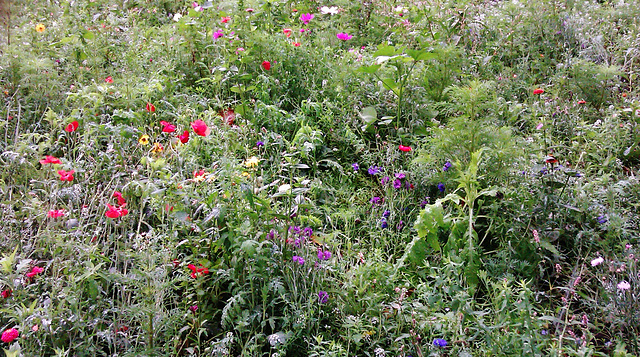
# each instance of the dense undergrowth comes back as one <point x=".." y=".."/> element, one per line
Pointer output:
<point x="295" y="178"/>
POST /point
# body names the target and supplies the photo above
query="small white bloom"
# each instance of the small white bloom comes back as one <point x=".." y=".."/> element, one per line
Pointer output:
<point x="597" y="261"/>
<point x="329" y="10"/>
<point x="177" y="17"/>
<point x="623" y="285"/>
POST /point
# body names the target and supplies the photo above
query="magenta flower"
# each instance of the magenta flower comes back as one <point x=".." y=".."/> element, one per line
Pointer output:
<point x="343" y="36"/>
<point x="305" y="18"/>
<point x="217" y="34"/>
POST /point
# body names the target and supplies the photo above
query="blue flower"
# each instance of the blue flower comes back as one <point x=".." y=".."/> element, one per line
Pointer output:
<point x="374" y="170"/>
<point x="602" y="219"/>
<point x="446" y="166"/>
<point x="355" y="166"/>
<point x="383" y="223"/>
<point x="439" y="342"/>
<point x="441" y="187"/>
<point x="386" y="214"/>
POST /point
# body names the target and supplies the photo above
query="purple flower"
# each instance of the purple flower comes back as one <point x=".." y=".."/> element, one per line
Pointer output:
<point x="383" y="223"/>
<point x="441" y="187"/>
<point x="259" y="144"/>
<point x="439" y="342"/>
<point x="400" y="175"/>
<point x="217" y="34"/>
<point x="343" y="36"/>
<point x="305" y="18"/>
<point x="400" y="225"/>
<point x="386" y="214"/>
<point x="375" y="200"/>
<point x="193" y="308"/>
<point x="446" y="166"/>
<point x="307" y="231"/>
<point x="374" y="170"/>
<point x="602" y="219"/>
<point x="355" y="166"/>
<point x="397" y="184"/>
<point x="298" y="259"/>
<point x="271" y="234"/>
<point x="324" y="255"/>
<point x="323" y="297"/>
<point x="384" y="180"/>
<point x="424" y="202"/>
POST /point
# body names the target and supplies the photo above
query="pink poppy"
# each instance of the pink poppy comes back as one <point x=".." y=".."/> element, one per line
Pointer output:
<point x="34" y="271"/>
<point x="200" y="128"/>
<point x="9" y="335"/>
<point x="66" y="175"/>
<point x="184" y="138"/>
<point x="50" y="160"/>
<point x="167" y="127"/>
<point x="404" y="148"/>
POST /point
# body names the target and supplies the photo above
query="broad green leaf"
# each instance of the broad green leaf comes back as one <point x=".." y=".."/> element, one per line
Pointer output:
<point x="385" y="50"/>
<point x="88" y="35"/>
<point x="421" y="55"/>
<point x="368" y="69"/>
<point x="389" y="83"/>
<point x="369" y="115"/>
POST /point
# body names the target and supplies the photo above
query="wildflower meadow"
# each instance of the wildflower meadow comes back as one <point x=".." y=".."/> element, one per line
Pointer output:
<point x="316" y="179"/>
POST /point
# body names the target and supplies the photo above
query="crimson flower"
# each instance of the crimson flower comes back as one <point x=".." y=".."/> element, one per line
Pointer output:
<point x="34" y="271"/>
<point x="225" y="19"/>
<point x="184" y="138"/>
<point x="551" y="160"/>
<point x="118" y="196"/>
<point x="582" y="101"/>
<point x="50" y="160"/>
<point x="167" y="127"/>
<point x="151" y="108"/>
<point x="266" y="65"/>
<point x="55" y="213"/>
<point x="404" y="148"/>
<point x="195" y="271"/>
<point x="296" y="44"/>
<point x="287" y="32"/>
<point x="6" y="293"/>
<point x="228" y="115"/>
<point x="66" y="175"/>
<point x="73" y="126"/>
<point x="108" y="79"/>
<point x="9" y="335"/>
<point x="538" y="91"/>
<point x="116" y="212"/>
<point x="200" y="128"/>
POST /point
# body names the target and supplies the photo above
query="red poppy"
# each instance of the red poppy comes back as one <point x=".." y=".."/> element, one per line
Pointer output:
<point x="66" y="175"/>
<point x="73" y="126"/>
<point x="550" y="160"/>
<point x="116" y="212"/>
<point x="195" y="271"/>
<point x="404" y="148"/>
<point x="50" y="160"/>
<point x="184" y="138"/>
<point x="118" y="196"/>
<point x="108" y="79"/>
<point x="538" y="91"/>
<point x="200" y="128"/>
<point x="582" y="101"/>
<point x="225" y="19"/>
<point x="297" y="44"/>
<point x="151" y="108"/>
<point x="55" y="213"/>
<point x="287" y="32"/>
<point x="266" y="65"/>
<point x="34" y="271"/>
<point x="6" y="293"/>
<point x="228" y="116"/>
<point x="167" y="127"/>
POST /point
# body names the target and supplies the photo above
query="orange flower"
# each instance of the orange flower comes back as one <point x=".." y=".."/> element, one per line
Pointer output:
<point x="40" y="28"/>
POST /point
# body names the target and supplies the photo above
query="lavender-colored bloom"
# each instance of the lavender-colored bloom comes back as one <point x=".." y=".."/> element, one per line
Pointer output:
<point x="193" y="308"/>
<point x="294" y="229"/>
<point x="384" y="180"/>
<point x="323" y="297"/>
<point x="439" y="342"/>
<point x="259" y="144"/>
<point x="446" y="166"/>
<point x="383" y="223"/>
<point x="307" y="231"/>
<point x="397" y="184"/>
<point x="355" y="166"/>
<point x="298" y="259"/>
<point x="400" y="225"/>
<point x="374" y="170"/>
<point x="602" y="219"/>
<point x="376" y="200"/>
<point x="441" y="187"/>
<point x="324" y="255"/>
<point x="400" y="175"/>
<point x="386" y="214"/>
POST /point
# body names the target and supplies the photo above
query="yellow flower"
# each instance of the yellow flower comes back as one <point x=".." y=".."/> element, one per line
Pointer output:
<point x="40" y="28"/>
<point x="144" y="140"/>
<point x="246" y="174"/>
<point x="157" y="147"/>
<point x="251" y="162"/>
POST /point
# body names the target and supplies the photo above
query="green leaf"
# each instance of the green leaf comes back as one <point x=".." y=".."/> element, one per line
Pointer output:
<point x="385" y="50"/>
<point x="389" y="83"/>
<point x="88" y="35"/>
<point x="422" y="55"/>
<point x="418" y="252"/>
<point x="368" y="69"/>
<point x="369" y="115"/>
